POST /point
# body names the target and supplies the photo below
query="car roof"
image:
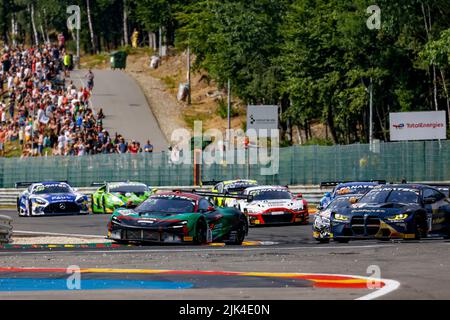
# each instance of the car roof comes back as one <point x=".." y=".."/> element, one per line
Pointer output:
<point x="265" y="187"/>
<point x="47" y="183"/>
<point x="406" y="186"/>
<point x="349" y="184"/>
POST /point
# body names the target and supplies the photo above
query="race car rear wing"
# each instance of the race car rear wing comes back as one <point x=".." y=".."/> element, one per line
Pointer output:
<point x="248" y="197"/>
<point x="27" y="184"/>
<point x="335" y="183"/>
<point x="210" y="182"/>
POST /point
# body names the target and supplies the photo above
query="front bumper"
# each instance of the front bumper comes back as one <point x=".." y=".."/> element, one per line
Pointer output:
<point x="371" y="228"/>
<point x="275" y="216"/>
<point x="59" y="208"/>
<point x="139" y="234"/>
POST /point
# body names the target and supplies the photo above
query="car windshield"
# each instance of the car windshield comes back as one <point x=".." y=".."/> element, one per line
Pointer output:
<point x="52" y="188"/>
<point x="270" y="195"/>
<point x="238" y="188"/>
<point x="391" y="195"/>
<point x="128" y="189"/>
<point x="166" y="205"/>
<point x="356" y="189"/>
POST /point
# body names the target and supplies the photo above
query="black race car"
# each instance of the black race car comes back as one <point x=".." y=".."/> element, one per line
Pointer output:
<point x="408" y="211"/>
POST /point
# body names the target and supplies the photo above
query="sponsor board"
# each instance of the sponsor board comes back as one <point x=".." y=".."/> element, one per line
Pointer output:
<point x="418" y="126"/>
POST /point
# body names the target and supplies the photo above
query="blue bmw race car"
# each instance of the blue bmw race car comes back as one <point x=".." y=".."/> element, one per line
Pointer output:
<point x="50" y="198"/>
<point x="346" y="188"/>
<point x="406" y="211"/>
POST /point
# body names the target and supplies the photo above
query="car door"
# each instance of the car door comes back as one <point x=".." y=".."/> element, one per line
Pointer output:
<point x="213" y="217"/>
<point x="437" y="206"/>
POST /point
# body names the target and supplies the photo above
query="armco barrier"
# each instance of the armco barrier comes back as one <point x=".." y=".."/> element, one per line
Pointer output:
<point x="311" y="193"/>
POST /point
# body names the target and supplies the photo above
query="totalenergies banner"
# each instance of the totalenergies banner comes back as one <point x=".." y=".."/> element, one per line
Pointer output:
<point x="430" y="125"/>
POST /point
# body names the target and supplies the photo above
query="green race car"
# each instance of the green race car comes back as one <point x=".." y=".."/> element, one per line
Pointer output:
<point x="112" y="195"/>
<point x="178" y="217"/>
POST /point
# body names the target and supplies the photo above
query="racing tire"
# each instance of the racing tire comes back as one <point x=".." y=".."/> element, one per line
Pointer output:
<point x="92" y="203"/>
<point x="323" y="240"/>
<point x="240" y="236"/>
<point x="420" y="227"/>
<point x="104" y="205"/>
<point x="200" y="233"/>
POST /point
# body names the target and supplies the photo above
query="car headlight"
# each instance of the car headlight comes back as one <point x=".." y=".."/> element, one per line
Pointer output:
<point x="341" y="217"/>
<point x="80" y="199"/>
<point x="180" y="224"/>
<point x="39" y="201"/>
<point x="398" y="217"/>
<point x="116" y="200"/>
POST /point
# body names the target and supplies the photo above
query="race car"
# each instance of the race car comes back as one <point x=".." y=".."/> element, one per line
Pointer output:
<point x="346" y="188"/>
<point x="408" y="211"/>
<point x="233" y="187"/>
<point x="112" y="195"/>
<point x="321" y="225"/>
<point x="273" y="205"/>
<point x="50" y="198"/>
<point x="178" y="217"/>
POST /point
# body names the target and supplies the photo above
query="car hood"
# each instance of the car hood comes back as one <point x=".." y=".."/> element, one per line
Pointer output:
<point x="133" y="218"/>
<point x="57" y="197"/>
<point x="130" y="196"/>
<point x="380" y="210"/>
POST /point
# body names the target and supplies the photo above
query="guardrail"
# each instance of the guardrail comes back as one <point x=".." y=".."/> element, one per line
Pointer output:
<point x="311" y="193"/>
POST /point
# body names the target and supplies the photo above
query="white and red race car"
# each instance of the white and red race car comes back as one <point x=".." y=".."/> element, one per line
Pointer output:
<point x="272" y="205"/>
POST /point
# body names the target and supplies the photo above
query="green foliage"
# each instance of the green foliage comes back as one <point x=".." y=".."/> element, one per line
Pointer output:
<point x="222" y="109"/>
<point x="314" y="58"/>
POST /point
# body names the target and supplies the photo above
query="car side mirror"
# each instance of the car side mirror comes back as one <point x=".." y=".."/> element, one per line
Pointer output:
<point x="353" y="200"/>
<point x="429" y="200"/>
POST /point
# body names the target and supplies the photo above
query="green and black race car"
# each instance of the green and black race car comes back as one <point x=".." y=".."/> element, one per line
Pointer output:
<point x="112" y="195"/>
<point x="178" y="217"/>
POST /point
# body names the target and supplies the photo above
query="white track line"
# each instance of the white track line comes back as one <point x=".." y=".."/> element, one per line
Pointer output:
<point x="389" y="285"/>
<point x="58" y="234"/>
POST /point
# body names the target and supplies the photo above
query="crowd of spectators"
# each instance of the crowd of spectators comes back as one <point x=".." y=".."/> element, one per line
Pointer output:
<point x="46" y="113"/>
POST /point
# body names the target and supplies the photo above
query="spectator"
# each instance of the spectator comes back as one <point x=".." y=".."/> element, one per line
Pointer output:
<point x="148" y="148"/>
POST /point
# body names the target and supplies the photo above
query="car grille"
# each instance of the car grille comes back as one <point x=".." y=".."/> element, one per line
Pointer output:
<point x="142" y="235"/>
<point x="365" y="226"/>
<point x="282" y="218"/>
<point x="62" y="207"/>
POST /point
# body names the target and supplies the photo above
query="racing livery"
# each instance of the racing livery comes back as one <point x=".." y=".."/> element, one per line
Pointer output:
<point x="50" y="198"/>
<point x="112" y="195"/>
<point x="321" y="225"/>
<point x="178" y="217"/>
<point x="346" y="188"/>
<point x="233" y="187"/>
<point x="273" y="205"/>
<point x="408" y="211"/>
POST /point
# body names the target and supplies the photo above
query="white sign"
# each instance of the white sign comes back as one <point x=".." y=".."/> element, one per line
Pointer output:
<point x="418" y="125"/>
<point x="262" y="117"/>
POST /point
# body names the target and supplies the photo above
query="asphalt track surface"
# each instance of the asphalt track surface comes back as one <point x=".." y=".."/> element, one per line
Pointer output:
<point x="125" y="107"/>
<point x="419" y="267"/>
